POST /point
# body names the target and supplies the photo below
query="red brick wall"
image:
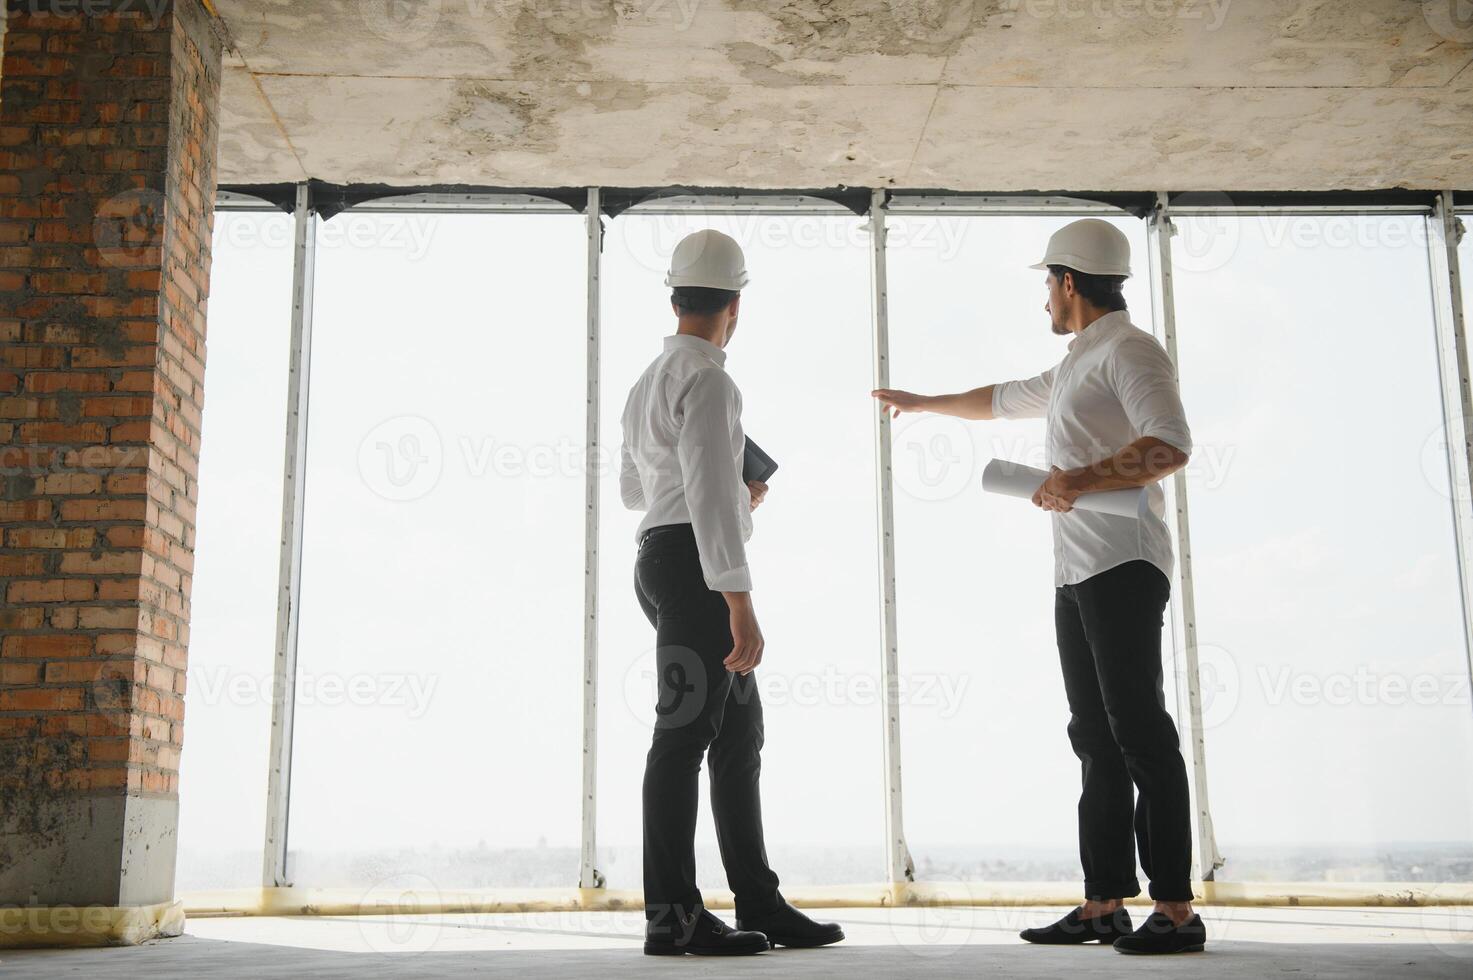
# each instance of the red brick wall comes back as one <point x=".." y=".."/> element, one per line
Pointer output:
<point x="108" y="130"/>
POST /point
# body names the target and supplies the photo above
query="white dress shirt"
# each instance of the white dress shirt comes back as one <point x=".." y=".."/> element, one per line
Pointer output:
<point x="1115" y="385"/>
<point x="681" y="461"/>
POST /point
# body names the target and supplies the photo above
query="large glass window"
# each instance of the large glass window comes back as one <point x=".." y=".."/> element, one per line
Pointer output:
<point x="802" y="358"/>
<point x="439" y="699"/>
<point x="438" y="727"/>
<point x="1333" y="663"/>
<point x="222" y="784"/>
<point x="990" y="780"/>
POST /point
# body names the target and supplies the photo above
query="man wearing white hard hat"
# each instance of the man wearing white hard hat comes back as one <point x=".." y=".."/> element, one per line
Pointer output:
<point x="1114" y="420"/>
<point x="681" y="463"/>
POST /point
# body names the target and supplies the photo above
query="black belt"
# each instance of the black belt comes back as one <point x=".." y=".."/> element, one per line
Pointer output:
<point x="661" y="529"/>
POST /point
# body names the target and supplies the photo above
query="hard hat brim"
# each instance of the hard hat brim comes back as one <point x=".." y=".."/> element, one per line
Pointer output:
<point x="1081" y="265"/>
<point x="735" y="284"/>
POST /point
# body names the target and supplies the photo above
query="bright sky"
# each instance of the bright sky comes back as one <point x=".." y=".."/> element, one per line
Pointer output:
<point x="441" y="636"/>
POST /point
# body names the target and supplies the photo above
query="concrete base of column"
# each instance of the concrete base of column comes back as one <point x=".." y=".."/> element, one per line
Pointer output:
<point x="87" y="851"/>
<point x="89" y="925"/>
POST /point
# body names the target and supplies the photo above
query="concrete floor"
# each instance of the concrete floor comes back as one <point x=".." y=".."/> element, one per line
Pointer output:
<point x="940" y="943"/>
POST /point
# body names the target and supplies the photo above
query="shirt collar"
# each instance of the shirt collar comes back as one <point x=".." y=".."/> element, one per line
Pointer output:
<point x="685" y="341"/>
<point x="1099" y="327"/>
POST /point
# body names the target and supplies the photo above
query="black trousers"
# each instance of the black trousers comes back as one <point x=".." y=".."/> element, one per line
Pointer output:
<point x="704" y="711"/>
<point x="1109" y="631"/>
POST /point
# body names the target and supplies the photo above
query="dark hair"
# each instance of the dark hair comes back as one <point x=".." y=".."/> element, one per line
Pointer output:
<point x="701" y="299"/>
<point x="1101" y="291"/>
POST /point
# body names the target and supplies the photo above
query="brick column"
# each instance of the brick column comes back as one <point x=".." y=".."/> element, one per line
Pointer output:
<point x="108" y="130"/>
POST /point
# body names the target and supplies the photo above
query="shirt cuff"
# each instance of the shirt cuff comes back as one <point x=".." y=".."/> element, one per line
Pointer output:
<point x="737" y="579"/>
<point x="998" y="411"/>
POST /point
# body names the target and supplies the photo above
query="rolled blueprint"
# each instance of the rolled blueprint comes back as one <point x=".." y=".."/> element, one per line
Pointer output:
<point x="1016" y="480"/>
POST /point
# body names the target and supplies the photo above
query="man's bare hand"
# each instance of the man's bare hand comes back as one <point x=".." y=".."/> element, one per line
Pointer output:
<point x="896" y="401"/>
<point x="759" y="492"/>
<point x="1057" y="493"/>
<point x="746" y="635"/>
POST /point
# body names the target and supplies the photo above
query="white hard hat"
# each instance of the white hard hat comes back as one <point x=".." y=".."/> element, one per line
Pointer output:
<point x="708" y="258"/>
<point x="1090" y="245"/>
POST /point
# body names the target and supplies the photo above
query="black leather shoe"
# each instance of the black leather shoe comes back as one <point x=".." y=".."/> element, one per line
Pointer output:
<point x="789" y="927"/>
<point x="1158" y="935"/>
<point x="1071" y="930"/>
<point x="701" y="934"/>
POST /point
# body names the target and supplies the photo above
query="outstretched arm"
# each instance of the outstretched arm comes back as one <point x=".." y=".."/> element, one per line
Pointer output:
<point x="1027" y="399"/>
<point x="975" y="404"/>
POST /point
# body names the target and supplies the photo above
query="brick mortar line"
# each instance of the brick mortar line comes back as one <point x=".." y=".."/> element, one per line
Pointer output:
<point x="119" y="709"/>
<point x="116" y="550"/>
<point x="105" y="658"/>
<point x="131" y="469"/>
<point x="83" y="685"/>
<point x="92" y="630"/>
<point x="153" y="608"/>
<point x="44" y="525"/>
<point x="51" y="604"/>
<point x="113" y="765"/>
<point x="91" y="712"/>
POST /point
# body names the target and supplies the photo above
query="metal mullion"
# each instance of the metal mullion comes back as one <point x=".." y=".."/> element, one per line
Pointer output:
<point x="900" y="867"/>
<point x="1296" y="210"/>
<point x="274" y="872"/>
<point x="229" y="201"/>
<point x="915" y="205"/>
<point x="588" y="874"/>
<point x="1445" y="231"/>
<point x="1206" y="859"/>
<point x="755" y="204"/>
<point x="469" y="203"/>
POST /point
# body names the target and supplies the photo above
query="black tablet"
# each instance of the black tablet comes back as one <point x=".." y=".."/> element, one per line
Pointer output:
<point x="757" y="465"/>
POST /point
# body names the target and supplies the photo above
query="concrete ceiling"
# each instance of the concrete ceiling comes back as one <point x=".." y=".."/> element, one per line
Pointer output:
<point x="1002" y="95"/>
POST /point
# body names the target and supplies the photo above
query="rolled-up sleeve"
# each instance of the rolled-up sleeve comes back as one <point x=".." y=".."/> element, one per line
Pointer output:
<point x="709" y="447"/>
<point x="1145" y="382"/>
<point x="1026" y="399"/>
